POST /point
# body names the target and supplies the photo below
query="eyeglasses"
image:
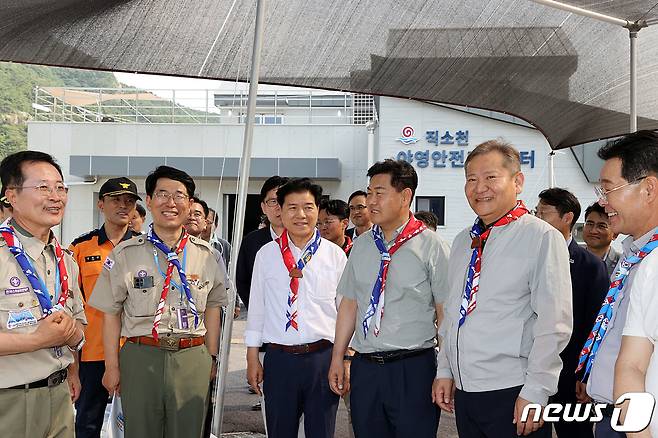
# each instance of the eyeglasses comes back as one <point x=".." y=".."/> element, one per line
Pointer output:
<point x="327" y="223"/>
<point x="178" y="198"/>
<point x="197" y="215"/>
<point x="602" y="194"/>
<point x="45" y="190"/>
<point x="271" y="202"/>
<point x="359" y="207"/>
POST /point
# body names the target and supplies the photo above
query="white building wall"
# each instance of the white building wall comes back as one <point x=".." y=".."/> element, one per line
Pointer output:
<point x="346" y="142"/>
<point x="394" y="114"/>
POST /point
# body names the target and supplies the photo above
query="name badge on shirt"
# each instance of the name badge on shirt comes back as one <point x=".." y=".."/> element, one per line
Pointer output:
<point x="24" y="318"/>
<point x="143" y="282"/>
<point x="93" y="258"/>
<point x="183" y="322"/>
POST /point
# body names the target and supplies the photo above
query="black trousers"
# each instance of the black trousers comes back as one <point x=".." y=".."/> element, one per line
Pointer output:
<point x="90" y="406"/>
<point x="294" y="384"/>
<point x="394" y="399"/>
<point x="489" y="414"/>
<point x="567" y="394"/>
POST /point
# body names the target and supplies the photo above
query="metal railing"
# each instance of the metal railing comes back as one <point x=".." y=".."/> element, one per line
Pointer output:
<point x="129" y="105"/>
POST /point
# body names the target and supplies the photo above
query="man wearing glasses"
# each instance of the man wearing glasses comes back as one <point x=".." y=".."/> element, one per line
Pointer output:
<point x="359" y="214"/>
<point x="116" y="200"/>
<point x="627" y="192"/>
<point x="332" y="222"/>
<point x="598" y="236"/>
<point x="163" y="293"/>
<point x="41" y="313"/>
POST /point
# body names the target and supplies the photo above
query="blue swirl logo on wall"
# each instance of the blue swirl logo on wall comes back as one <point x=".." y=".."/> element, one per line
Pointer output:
<point x="408" y="135"/>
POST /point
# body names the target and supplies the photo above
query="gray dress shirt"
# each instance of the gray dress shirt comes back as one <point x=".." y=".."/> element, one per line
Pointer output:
<point x="523" y="318"/>
<point x="602" y="375"/>
<point x="417" y="280"/>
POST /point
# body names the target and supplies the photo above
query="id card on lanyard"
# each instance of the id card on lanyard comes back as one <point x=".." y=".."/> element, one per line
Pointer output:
<point x="181" y="312"/>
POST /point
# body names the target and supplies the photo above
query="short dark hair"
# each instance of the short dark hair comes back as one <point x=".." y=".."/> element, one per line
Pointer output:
<point x="272" y="183"/>
<point x="638" y="153"/>
<point x="564" y="202"/>
<point x="595" y="208"/>
<point x="336" y="207"/>
<point x="403" y="175"/>
<point x="140" y="210"/>
<point x="511" y="157"/>
<point x="215" y="219"/>
<point x="170" y="173"/>
<point x="204" y="205"/>
<point x="355" y="194"/>
<point x="428" y="218"/>
<point x="299" y="185"/>
<point x="11" y="167"/>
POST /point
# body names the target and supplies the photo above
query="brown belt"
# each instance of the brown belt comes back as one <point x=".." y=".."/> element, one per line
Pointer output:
<point x="167" y="342"/>
<point x="302" y="348"/>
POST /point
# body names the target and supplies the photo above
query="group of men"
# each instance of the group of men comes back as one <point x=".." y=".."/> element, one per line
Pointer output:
<point x="386" y="315"/>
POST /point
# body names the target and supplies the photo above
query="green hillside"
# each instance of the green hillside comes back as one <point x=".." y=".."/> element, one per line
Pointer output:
<point x="17" y="82"/>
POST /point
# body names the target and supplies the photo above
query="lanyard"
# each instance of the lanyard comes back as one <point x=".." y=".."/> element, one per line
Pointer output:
<point x="173" y="282"/>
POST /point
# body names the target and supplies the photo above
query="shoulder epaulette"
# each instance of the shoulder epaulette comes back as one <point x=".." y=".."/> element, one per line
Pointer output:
<point x="137" y="240"/>
<point x="200" y="242"/>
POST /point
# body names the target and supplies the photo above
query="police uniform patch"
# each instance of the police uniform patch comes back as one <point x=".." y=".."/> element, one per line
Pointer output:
<point x="108" y="264"/>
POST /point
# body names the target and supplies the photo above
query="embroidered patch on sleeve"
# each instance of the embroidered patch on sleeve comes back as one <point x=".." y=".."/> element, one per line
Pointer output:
<point x="108" y="264"/>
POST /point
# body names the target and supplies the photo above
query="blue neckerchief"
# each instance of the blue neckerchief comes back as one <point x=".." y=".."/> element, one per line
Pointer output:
<point x="173" y="259"/>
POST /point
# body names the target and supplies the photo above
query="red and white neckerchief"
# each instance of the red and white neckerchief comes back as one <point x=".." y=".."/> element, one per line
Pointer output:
<point x="172" y="262"/>
<point x="479" y="234"/>
<point x="295" y="272"/>
<point x="347" y="246"/>
<point x="38" y="285"/>
<point x="376" y="307"/>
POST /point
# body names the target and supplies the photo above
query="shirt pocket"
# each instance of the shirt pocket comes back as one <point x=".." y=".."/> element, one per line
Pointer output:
<point x="143" y="302"/>
<point x="16" y="308"/>
<point x="200" y="290"/>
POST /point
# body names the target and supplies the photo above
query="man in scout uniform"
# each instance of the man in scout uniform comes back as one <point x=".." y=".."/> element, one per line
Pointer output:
<point x="41" y="312"/>
<point x="393" y="290"/>
<point x="116" y="200"/>
<point x="163" y="292"/>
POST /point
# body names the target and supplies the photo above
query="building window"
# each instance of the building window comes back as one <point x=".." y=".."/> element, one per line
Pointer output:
<point x="435" y="204"/>
<point x="264" y="119"/>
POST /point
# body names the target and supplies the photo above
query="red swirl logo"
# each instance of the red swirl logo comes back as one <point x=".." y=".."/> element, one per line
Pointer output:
<point x="407" y="131"/>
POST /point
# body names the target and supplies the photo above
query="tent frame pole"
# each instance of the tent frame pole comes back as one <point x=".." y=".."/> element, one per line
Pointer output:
<point x="245" y="162"/>
<point x="633" y="78"/>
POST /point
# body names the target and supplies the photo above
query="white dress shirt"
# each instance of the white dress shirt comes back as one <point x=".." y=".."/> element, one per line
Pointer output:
<point x="316" y="302"/>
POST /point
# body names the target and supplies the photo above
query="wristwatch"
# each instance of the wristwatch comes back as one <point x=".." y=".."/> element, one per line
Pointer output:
<point x="79" y="345"/>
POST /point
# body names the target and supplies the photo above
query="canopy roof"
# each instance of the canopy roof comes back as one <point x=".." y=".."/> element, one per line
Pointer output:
<point x="566" y="74"/>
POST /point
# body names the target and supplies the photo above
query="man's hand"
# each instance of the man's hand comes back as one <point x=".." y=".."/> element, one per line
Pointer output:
<point x="112" y="380"/>
<point x="255" y="374"/>
<point x="55" y="330"/>
<point x="443" y="394"/>
<point x="581" y="392"/>
<point x="529" y="426"/>
<point x="213" y="370"/>
<point x="236" y="312"/>
<point x="337" y="376"/>
<point x="75" y="387"/>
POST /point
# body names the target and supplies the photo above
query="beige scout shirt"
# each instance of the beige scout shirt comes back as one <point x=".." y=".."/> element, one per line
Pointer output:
<point x="131" y="283"/>
<point x="416" y="282"/>
<point x="16" y="295"/>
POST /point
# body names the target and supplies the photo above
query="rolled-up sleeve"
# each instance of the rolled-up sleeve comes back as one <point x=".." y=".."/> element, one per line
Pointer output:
<point x="110" y="290"/>
<point x="550" y="288"/>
